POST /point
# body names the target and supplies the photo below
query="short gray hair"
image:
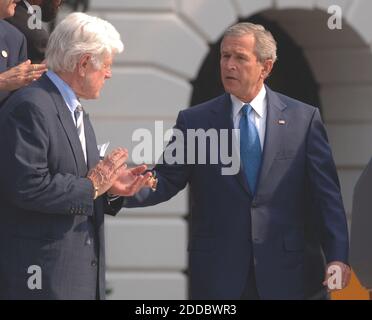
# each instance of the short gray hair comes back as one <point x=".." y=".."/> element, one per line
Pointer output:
<point x="265" y="44"/>
<point x="80" y="34"/>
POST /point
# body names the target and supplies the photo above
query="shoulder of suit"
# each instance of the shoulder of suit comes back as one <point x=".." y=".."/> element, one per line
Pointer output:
<point x="205" y="107"/>
<point x="294" y="103"/>
<point x="11" y="32"/>
<point x="34" y="96"/>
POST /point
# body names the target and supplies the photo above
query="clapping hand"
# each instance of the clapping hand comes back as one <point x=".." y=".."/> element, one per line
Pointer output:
<point x="21" y="75"/>
<point x="107" y="171"/>
<point x="130" y="181"/>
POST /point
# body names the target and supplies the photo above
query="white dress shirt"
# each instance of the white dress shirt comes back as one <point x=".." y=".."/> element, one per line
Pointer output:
<point x="258" y="115"/>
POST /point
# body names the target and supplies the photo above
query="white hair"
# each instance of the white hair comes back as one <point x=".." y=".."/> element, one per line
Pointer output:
<point x="80" y="34"/>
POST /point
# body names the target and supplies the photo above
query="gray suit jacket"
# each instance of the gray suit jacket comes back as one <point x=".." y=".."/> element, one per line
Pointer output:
<point x="47" y="214"/>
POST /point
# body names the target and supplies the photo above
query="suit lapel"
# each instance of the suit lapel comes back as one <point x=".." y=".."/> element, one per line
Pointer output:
<point x="65" y="118"/>
<point x="221" y="119"/>
<point x="275" y="124"/>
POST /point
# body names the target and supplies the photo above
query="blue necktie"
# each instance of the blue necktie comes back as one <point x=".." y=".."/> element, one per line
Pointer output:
<point x="250" y="147"/>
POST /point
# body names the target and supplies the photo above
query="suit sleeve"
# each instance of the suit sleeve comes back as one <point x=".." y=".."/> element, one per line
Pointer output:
<point x="3" y="96"/>
<point x="172" y="177"/>
<point x="325" y="189"/>
<point x="27" y="181"/>
<point x="23" y="55"/>
<point x="112" y="205"/>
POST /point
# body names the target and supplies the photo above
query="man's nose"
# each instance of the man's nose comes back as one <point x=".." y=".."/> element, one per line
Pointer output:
<point x="230" y="64"/>
<point x="108" y="74"/>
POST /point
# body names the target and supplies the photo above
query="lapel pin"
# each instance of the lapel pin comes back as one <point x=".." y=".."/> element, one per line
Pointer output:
<point x="4" y="54"/>
<point x="281" y="122"/>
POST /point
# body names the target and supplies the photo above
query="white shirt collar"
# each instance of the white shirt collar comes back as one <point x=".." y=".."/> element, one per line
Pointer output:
<point x="258" y="103"/>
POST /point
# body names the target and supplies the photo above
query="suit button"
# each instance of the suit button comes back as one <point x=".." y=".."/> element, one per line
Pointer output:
<point x="94" y="263"/>
<point x="254" y="204"/>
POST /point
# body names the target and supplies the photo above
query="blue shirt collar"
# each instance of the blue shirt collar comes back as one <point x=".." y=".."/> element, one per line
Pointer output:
<point x="67" y="93"/>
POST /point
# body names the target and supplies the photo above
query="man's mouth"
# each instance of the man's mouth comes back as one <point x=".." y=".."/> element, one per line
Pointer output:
<point x="230" y="78"/>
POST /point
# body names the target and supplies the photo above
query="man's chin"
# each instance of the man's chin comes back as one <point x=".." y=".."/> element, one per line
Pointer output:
<point x="230" y="89"/>
<point x="11" y="12"/>
<point x="230" y="84"/>
<point x="89" y="96"/>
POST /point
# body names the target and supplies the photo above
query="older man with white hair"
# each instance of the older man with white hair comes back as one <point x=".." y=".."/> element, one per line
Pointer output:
<point x="53" y="188"/>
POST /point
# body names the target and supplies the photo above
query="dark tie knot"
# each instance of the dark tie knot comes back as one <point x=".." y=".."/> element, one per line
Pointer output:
<point x="246" y="109"/>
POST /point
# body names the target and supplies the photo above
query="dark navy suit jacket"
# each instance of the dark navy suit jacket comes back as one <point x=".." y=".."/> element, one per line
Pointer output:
<point x="298" y="186"/>
<point x="47" y="214"/>
<point x="14" y="44"/>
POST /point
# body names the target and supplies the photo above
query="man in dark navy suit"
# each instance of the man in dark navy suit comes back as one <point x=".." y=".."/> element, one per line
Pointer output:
<point x="54" y="188"/>
<point x="15" y="70"/>
<point x="248" y="230"/>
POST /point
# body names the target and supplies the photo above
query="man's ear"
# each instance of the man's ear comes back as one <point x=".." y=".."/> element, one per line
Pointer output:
<point x="267" y="68"/>
<point x="83" y="64"/>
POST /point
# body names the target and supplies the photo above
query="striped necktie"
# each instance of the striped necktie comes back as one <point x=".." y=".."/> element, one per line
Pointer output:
<point x="79" y="119"/>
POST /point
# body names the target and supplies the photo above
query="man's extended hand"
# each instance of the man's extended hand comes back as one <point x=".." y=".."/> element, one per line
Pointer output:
<point x="131" y="181"/>
<point x="337" y="283"/>
<point x="105" y="173"/>
<point x="21" y="75"/>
